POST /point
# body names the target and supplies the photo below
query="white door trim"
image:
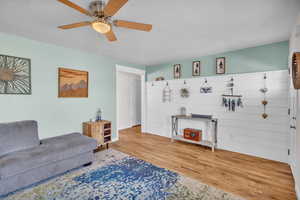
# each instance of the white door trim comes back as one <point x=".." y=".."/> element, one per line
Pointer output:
<point x="142" y="74"/>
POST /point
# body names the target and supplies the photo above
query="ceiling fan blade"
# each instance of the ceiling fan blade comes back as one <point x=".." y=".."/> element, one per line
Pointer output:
<point x="114" y="6"/>
<point x="75" y="25"/>
<point x="133" y="25"/>
<point x="75" y="6"/>
<point x="111" y="36"/>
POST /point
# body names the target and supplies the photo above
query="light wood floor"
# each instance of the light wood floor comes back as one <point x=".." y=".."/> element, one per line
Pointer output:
<point x="247" y="176"/>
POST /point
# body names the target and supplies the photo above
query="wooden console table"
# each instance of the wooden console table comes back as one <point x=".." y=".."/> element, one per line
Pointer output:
<point x="207" y="118"/>
<point x="101" y="131"/>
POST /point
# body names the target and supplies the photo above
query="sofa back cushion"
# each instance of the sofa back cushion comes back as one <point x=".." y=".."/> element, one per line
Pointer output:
<point x="16" y="136"/>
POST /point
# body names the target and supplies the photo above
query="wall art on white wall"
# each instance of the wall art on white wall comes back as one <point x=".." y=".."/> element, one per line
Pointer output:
<point x="196" y="68"/>
<point x="15" y="75"/>
<point x="221" y="65"/>
<point x="177" y="71"/>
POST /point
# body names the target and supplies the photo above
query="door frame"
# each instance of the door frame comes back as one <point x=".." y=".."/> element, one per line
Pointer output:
<point x="142" y="74"/>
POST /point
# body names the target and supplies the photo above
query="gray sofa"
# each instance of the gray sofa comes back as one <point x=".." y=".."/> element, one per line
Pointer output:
<point x="24" y="159"/>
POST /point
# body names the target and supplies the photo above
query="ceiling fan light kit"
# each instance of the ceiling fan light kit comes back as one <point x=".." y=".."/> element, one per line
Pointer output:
<point x="101" y="27"/>
<point x="102" y="14"/>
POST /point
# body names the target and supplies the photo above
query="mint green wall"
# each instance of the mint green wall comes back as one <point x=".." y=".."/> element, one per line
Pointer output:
<point x="262" y="58"/>
<point x="57" y="116"/>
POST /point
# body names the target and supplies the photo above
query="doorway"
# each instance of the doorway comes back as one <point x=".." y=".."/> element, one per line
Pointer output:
<point x="130" y="95"/>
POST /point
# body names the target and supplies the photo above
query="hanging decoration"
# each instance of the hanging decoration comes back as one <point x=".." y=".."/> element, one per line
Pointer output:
<point x="264" y="102"/>
<point x="167" y="93"/>
<point x="205" y="88"/>
<point x="184" y="91"/>
<point x="232" y="101"/>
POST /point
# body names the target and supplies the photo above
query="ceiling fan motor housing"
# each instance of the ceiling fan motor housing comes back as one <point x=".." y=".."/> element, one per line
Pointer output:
<point x="96" y="8"/>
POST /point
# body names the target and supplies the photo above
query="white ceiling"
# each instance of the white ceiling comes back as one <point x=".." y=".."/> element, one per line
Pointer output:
<point x="182" y="29"/>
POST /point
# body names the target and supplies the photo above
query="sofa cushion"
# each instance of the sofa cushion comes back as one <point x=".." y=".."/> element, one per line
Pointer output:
<point x="51" y="150"/>
<point x="16" y="136"/>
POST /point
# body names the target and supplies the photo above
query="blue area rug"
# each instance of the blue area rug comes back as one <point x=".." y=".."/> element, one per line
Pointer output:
<point x="115" y="175"/>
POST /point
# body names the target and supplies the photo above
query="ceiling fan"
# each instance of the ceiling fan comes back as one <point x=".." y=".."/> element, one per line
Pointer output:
<point x="102" y="18"/>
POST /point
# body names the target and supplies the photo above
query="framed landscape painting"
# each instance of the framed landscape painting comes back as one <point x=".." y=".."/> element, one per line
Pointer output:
<point x="72" y="83"/>
<point x="15" y="75"/>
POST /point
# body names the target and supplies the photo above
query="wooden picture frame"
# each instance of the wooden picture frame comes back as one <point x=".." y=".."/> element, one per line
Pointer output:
<point x="177" y="71"/>
<point x="196" y="68"/>
<point x="73" y="83"/>
<point x="221" y="65"/>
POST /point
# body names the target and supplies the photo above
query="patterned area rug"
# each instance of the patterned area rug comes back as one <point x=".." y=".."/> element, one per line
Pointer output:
<point x="115" y="175"/>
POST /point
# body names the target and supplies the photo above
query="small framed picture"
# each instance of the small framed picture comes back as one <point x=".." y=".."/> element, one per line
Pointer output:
<point x="220" y="65"/>
<point x="196" y="68"/>
<point x="177" y="71"/>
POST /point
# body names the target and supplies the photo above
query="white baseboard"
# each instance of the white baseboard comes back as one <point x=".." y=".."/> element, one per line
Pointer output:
<point x="297" y="192"/>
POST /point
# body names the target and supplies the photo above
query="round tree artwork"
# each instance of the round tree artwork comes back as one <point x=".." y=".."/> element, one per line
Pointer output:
<point x="14" y="75"/>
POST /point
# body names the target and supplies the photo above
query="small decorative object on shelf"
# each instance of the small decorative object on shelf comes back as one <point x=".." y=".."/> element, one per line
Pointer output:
<point x="192" y="134"/>
<point x="232" y="101"/>
<point x="167" y="93"/>
<point x="205" y="88"/>
<point x="100" y="130"/>
<point x="264" y="102"/>
<point x="98" y="115"/>
<point x="182" y="111"/>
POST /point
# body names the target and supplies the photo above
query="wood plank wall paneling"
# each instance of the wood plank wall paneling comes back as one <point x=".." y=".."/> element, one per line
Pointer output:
<point x="243" y="131"/>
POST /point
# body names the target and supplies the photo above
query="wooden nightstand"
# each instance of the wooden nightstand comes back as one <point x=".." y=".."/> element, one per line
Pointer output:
<point x="101" y="131"/>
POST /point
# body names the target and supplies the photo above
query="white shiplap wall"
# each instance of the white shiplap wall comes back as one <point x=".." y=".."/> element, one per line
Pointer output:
<point x="243" y="131"/>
